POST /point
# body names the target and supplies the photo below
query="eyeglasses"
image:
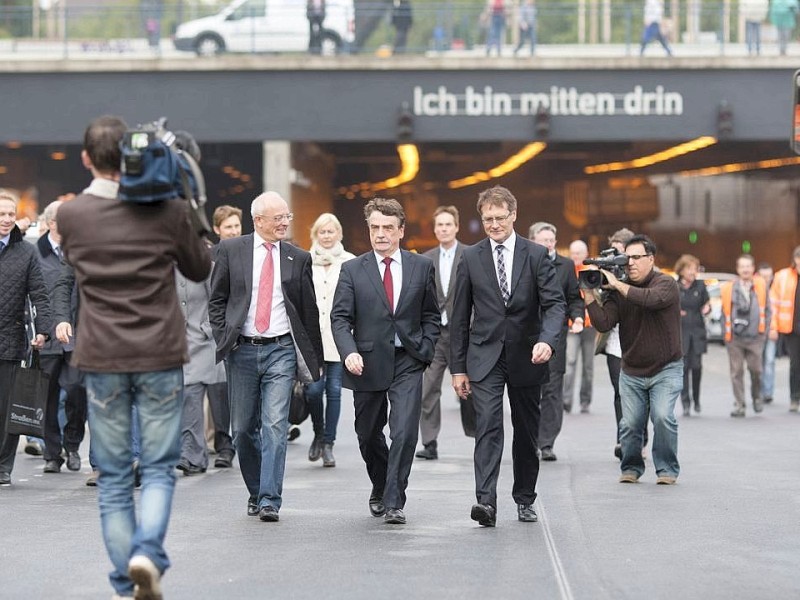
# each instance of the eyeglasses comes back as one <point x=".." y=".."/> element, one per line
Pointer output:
<point x="494" y="220"/>
<point x="637" y="256"/>
<point x="278" y="218"/>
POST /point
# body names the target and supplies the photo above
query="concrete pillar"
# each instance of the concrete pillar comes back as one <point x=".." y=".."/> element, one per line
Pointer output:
<point x="593" y="21"/>
<point x="277" y="157"/>
<point x="606" y="21"/>
<point x="581" y="21"/>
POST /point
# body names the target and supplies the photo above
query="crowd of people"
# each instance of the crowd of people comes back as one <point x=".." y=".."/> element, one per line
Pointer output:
<point x="140" y="321"/>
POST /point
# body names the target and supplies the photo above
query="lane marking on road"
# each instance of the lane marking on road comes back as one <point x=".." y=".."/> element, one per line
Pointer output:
<point x="561" y="574"/>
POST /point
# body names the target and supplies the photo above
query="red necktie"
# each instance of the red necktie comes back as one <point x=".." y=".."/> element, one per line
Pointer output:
<point x="388" y="283"/>
<point x="264" y="305"/>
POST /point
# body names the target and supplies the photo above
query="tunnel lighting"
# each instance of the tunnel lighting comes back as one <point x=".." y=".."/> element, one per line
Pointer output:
<point x="58" y="155"/>
<point x="13" y="145"/>
<point x="652" y="159"/>
<point x="773" y="163"/>
<point x="511" y="164"/>
<point x="409" y="161"/>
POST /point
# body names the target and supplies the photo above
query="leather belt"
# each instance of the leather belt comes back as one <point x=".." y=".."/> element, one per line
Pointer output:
<point x="261" y="341"/>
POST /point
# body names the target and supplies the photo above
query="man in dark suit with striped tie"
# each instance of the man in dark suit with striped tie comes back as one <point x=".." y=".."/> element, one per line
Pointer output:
<point x="507" y="315"/>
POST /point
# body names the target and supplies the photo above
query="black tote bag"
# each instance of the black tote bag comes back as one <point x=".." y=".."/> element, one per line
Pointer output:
<point x="28" y="399"/>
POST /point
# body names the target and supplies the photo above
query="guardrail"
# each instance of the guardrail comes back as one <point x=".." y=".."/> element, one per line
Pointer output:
<point x="441" y="27"/>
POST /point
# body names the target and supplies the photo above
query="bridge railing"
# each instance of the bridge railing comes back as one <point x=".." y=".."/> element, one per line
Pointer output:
<point x="447" y="27"/>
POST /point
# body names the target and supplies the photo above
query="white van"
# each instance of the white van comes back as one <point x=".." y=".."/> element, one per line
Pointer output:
<point x="266" y="26"/>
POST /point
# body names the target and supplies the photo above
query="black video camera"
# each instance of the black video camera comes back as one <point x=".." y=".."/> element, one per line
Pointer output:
<point x="612" y="261"/>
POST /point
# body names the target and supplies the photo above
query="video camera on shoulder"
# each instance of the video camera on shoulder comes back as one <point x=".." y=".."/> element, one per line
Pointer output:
<point x="156" y="167"/>
<point x="612" y="261"/>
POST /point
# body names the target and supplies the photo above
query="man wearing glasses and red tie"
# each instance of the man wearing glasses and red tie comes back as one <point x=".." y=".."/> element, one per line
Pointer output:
<point x="648" y="311"/>
<point x="264" y="317"/>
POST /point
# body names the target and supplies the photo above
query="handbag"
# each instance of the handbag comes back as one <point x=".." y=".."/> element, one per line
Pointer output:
<point x="468" y="421"/>
<point x="28" y="398"/>
<point x="298" y="407"/>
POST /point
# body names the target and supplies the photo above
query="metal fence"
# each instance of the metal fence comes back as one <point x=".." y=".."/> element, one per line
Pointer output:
<point x="588" y="28"/>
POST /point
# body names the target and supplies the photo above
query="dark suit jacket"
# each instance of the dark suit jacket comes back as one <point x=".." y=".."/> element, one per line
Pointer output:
<point x="445" y="300"/>
<point x="361" y="321"/>
<point x="535" y="313"/>
<point x="568" y="282"/>
<point x="231" y="288"/>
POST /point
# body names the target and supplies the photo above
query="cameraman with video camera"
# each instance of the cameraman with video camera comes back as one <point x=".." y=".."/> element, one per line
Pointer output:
<point x="132" y="347"/>
<point x="647" y="309"/>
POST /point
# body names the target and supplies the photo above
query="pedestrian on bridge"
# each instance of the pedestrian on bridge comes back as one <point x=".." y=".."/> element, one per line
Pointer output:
<point x="653" y="25"/>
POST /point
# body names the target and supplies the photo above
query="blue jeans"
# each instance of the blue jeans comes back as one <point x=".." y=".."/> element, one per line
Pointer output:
<point x="158" y="396"/>
<point x="653" y="32"/>
<point x="752" y="35"/>
<point x="659" y="392"/>
<point x="768" y="370"/>
<point x="497" y="25"/>
<point x="260" y="380"/>
<point x="331" y="384"/>
<point x="135" y="440"/>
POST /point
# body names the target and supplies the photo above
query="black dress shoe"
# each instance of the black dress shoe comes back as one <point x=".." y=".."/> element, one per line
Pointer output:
<point x="268" y="514"/>
<point x="252" y="506"/>
<point x="395" y="516"/>
<point x="188" y="468"/>
<point x="376" y="506"/>
<point x="315" y="451"/>
<point x="52" y="466"/>
<point x="224" y="460"/>
<point x="429" y="452"/>
<point x="5" y="478"/>
<point x="526" y="514"/>
<point x="484" y="514"/>
<point x="73" y="461"/>
<point x="293" y="434"/>
<point x="548" y="454"/>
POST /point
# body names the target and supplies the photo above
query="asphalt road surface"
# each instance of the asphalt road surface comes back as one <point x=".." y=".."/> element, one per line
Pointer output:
<point x="729" y="529"/>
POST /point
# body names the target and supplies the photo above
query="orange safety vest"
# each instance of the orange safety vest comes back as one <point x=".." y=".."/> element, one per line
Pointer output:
<point x="726" y="294"/>
<point x="781" y="294"/>
<point x="587" y="322"/>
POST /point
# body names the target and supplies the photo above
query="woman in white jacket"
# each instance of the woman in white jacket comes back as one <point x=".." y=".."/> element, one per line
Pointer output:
<point x="327" y="255"/>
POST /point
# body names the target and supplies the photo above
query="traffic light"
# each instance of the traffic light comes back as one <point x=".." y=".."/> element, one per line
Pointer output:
<point x="405" y="124"/>
<point x="724" y="120"/>
<point x="541" y="123"/>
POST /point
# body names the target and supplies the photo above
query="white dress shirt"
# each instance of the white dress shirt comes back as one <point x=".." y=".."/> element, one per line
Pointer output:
<point x="397" y="280"/>
<point x="508" y="258"/>
<point x="446" y="257"/>
<point x="279" y="320"/>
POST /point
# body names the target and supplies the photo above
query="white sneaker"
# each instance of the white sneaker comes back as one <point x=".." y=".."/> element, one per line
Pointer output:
<point x="145" y="575"/>
<point x="118" y="597"/>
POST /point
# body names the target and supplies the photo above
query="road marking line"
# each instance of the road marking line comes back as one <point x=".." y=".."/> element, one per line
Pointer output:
<point x="561" y="575"/>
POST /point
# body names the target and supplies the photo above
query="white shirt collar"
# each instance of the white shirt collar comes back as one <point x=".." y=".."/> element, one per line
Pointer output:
<point x="103" y="188"/>
<point x="53" y="245"/>
<point x="395" y="257"/>
<point x="258" y="241"/>
<point x="508" y="244"/>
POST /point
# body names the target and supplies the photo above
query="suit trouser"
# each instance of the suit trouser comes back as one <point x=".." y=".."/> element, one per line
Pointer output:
<point x="579" y="344"/>
<point x="487" y="396"/>
<point x="193" y="439"/>
<point x="57" y="366"/>
<point x="389" y="468"/>
<point x="430" y="423"/>
<point x="552" y="403"/>
<point x="220" y="408"/>
<point x="749" y="351"/>
<point x="8" y="443"/>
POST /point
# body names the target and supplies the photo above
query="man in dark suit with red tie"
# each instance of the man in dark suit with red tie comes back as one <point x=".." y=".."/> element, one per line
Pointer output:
<point x="263" y="314"/>
<point x="385" y="323"/>
<point x="507" y="316"/>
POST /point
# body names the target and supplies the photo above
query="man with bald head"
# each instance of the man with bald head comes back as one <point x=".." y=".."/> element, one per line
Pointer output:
<point x="580" y="343"/>
<point x="55" y="358"/>
<point x="264" y="317"/>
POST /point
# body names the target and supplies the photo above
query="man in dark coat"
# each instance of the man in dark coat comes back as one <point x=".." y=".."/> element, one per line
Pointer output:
<point x="552" y="405"/>
<point x="20" y="277"/>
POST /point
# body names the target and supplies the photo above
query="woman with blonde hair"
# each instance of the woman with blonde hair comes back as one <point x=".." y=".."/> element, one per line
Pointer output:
<point x="694" y="304"/>
<point x="327" y="255"/>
